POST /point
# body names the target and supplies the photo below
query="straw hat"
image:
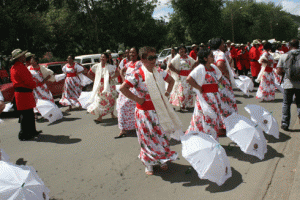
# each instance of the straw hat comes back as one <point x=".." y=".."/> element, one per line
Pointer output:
<point x="237" y="45"/>
<point x="256" y="42"/>
<point x="29" y="54"/>
<point x="242" y="45"/>
<point x="120" y="52"/>
<point x="108" y="51"/>
<point x="17" y="53"/>
<point x="232" y="44"/>
<point x="264" y="41"/>
<point x="194" y="45"/>
<point x="284" y="42"/>
<point x="202" y="45"/>
<point x="228" y="41"/>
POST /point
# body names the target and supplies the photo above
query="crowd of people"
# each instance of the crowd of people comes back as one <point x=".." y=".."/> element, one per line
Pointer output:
<point x="147" y="93"/>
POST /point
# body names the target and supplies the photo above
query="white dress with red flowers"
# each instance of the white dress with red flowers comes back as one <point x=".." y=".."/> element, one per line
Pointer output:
<point x="228" y="101"/>
<point x="104" y="102"/>
<point x="41" y="91"/>
<point x="201" y="122"/>
<point x="72" y="87"/>
<point x="155" y="146"/>
<point x="183" y="94"/>
<point x="126" y="107"/>
<point x="266" y="89"/>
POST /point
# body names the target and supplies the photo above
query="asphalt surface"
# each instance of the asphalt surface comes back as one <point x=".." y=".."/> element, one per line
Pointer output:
<point x="78" y="159"/>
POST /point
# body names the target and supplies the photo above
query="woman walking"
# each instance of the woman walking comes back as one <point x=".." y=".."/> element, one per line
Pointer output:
<point x="205" y="78"/>
<point x="155" y="117"/>
<point x="72" y="88"/>
<point x="104" y="92"/>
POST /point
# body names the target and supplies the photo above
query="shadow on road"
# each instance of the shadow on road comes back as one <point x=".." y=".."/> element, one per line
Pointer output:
<point x="174" y="142"/>
<point x="275" y="101"/>
<point x="58" y="139"/>
<point x="294" y="130"/>
<point x="21" y="161"/>
<point x="236" y="152"/>
<point x="9" y="115"/>
<point x="238" y="102"/>
<point x="64" y="119"/>
<point x="282" y="138"/>
<point x="234" y="181"/>
<point x="109" y="122"/>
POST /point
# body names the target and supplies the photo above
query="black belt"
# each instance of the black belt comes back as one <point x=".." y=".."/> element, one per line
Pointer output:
<point x="22" y="89"/>
<point x="252" y="60"/>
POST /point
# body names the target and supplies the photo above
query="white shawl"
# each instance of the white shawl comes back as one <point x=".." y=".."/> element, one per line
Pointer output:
<point x="97" y="82"/>
<point x="168" y="119"/>
<point x="263" y="67"/>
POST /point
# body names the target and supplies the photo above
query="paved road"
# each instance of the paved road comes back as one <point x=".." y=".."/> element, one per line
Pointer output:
<point x="78" y="159"/>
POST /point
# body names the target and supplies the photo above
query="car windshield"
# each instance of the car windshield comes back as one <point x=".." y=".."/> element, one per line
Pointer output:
<point x="77" y="60"/>
<point x="165" y="53"/>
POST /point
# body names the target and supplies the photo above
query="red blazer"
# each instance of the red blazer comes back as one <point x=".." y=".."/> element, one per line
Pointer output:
<point x="243" y="60"/>
<point x="233" y="52"/>
<point x="21" y="77"/>
<point x="193" y="54"/>
<point x="254" y="54"/>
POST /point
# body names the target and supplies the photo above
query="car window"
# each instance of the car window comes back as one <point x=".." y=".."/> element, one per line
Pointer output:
<point x="77" y="60"/>
<point x="165" y="53"/>
<point x="57" y="68"/>
<point x="86" y="60"/>
<point x="96" y="60"/>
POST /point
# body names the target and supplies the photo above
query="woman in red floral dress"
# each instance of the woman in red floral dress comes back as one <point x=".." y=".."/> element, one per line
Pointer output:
<point x="153" y="138"/>
<point x="205" y="78"/>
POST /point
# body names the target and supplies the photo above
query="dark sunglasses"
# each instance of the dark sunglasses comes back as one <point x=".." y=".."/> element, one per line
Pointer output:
<point x="150" y="58"/>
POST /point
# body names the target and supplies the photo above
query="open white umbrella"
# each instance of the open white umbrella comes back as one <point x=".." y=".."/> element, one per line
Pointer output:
<point x="3" y="156"/>
<point x="84" y="80"/>
<point x="264" y="119"/>
<point x="83" y="98"/>
<point x="206" y="156"/>
<point x="21" y="182"/>
<point x="245" y="84"/>
<point x="248" y="136"/>
<point x="8" y="107"/>
<point x="49" y="110"/>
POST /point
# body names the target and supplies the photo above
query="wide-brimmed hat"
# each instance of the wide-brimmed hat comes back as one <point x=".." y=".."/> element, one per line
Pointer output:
<point x="242" y="45"/>
<point x="29" y="54"/>
<point x="228" y="41"/>
<point x="283" y="42"/>
<point x="108" y="51"/>
<point x="264" y="41"/>
<point x="120" y="52"/>
<point x="237" y="45"/>
<point x="194" y="45"/>
<point x="17" y="53"/>
<point x="232" y="44"/>
<point x="256" y="42"/>
<point x="202" y="45"/>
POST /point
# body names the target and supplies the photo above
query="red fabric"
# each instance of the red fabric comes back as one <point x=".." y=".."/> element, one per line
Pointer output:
<point x="284" y="49"/>
<point x="21" y="77"/>
<point x="268" y="69"/>
<point x="193" y="54"/>
<point x="255" y="68"/>
<point x="147" y="105"/>
<point x="3" y="74"/>
<point x="254" y="54"/>
<point x="260" y="48"/>
<point x="210" y="88"/>
<point x="242" y="60"/>
<point x="130" y="85"/>
<point x="71" y="74"/>
<point x="233" y="52"/>
<point x="184" y="72"/>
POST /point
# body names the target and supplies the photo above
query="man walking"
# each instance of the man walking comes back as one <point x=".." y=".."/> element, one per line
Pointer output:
<point x="254" y="55"/>
<point x="289" y="67"/>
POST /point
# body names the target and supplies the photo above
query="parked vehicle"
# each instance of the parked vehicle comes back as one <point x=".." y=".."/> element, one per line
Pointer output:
<point x="88" y="60"/>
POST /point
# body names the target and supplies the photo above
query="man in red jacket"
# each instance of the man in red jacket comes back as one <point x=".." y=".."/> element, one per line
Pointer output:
<point x="233" y="52"/>
<point x="254" y="55"/>
<point x="194" y="52"/>
<point x="242" y="61"/>
<point x="23" y="84"/>
<point x="284" y="48"/>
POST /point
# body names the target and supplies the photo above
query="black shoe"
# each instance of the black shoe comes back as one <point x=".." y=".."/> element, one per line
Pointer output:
<point x="284" y="127"/>
<point x="38" y="133"/>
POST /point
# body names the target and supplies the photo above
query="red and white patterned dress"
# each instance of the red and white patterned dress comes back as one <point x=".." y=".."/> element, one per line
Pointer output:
<point x="41" y="91"/>
<point x="126" y="107"/>
<point x="155" y="146"/>
<point x="72" y="87"/>
<point x="201" y="122"/>
<point x="104" y="102"/>
<point x="266" y="89"/>
<point x="228" y="101"/>
<point x="183" y="94"/>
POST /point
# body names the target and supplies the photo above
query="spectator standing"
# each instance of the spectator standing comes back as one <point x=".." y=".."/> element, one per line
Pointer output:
<point x="254" y="55"/>
<point x="291" y="84"/>
<point x="193" y="53"/>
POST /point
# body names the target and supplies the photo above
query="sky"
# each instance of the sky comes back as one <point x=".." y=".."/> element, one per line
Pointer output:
<point x="291" y="6"/>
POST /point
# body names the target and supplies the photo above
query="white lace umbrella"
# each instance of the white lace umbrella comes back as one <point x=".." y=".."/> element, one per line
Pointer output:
<point x="248" y="136"/>
<point x="84" y="80"/>
<point x="49" y="110"/>
<point x="83" y="98"/>
<point x="3" y="156"/>
<point x="206" y="156"/>
<point x="264" y="119"/>
<point x="21" y="182"/>
<point x="245" y="84"/>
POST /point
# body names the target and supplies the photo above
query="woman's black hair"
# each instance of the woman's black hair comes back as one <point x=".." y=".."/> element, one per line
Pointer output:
<point x="36" y="59"/>
<point x="267" y="46"/>
<point x="137" y="51"/>
<point x="107" y="56"/>
<point x="215" y="43"/>
<point x="274" y="47"/>
<point x="203" y="53"/>
<point x="72" y="56"/>
<point x="182" y="46"/>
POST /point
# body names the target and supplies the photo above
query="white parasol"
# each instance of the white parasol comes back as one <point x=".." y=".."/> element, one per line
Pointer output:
<point x="264" y="119"/>
<point x="49" y="110"/>
<point x="8" y="107"/>
<point x="83" y="98"/>
<point x="206" y="156"/>
<point x="21" y="182"/>
<point x="248" y="136"/>
<point x="3" y="156"/>
<point x="84" y="80"/>
<point x="245" y="84"/>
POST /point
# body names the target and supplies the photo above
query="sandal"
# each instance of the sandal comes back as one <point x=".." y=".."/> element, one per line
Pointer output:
<point x="149" y="170"/>
<point x="164" y="167"/>
<point x="122" y="134"/>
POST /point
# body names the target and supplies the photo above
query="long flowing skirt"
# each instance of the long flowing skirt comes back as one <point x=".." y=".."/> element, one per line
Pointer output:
<point x="71" y="92"/>
<point x="228" y="101"/>
<point x="277" y="78"/>
<point x="126" y="109"/>
<point x="42" y="92"/>
<point x="155" y="146"/>
<point x="266" y="89"/>
<point x="104" y="102"/>
<point x="204" y="123"/>
<point x="182" y="95"/>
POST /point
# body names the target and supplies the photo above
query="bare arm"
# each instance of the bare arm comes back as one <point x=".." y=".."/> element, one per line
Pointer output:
<point x="91" y="75"/>
<point x="117" y="73"/>
<point x="193" y="83"/>
<point x="122" y="73"/>
<point x="125" y="90"/>
<point x="170" y="82"/>
<point x="222" y="67"/>
<point x="172" y="68"/>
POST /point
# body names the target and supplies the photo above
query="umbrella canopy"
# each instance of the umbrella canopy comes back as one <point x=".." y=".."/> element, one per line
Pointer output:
<point x="206" y="156"/>
<point x="246" y="134"/>
<point x="21" y="182"/>
<point x="3" y="156"/>
<point x="49" y="110"/>
<point x="84" y="80"/>
<point x="83" y="98"/>
<point x="245" y="84"/>
<point x="264" y="119"/>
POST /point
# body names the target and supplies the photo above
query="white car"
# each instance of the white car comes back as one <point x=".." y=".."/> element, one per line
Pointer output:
<point x="88" y="60"/>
